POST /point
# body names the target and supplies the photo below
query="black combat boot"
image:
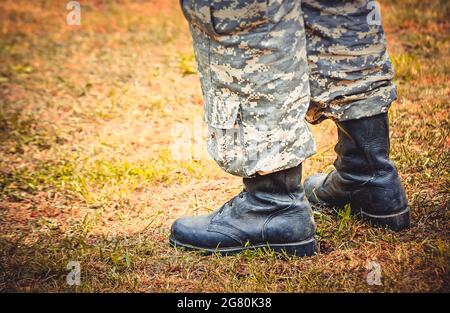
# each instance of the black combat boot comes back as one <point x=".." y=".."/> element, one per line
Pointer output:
<point x="364" y="177"/>
<point x="270" y="212"/>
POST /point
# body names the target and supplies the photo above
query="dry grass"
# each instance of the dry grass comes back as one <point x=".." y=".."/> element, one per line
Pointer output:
<point x="86" y="174"/>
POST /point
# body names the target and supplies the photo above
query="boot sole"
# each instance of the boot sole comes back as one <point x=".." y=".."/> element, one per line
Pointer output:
<point x="300" y="249"/>
<point x="395" y="222"/>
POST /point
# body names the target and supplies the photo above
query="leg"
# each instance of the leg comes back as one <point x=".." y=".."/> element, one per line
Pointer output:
<point x="251" y="57"/>
<point x="350" y="71"/>
<point x="351" y="82"/>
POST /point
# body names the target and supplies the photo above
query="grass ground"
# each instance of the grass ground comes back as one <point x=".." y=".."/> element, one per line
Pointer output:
<point x="88" y="117"/>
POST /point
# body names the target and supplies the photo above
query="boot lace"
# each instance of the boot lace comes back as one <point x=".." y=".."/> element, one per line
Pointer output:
<point x="231" y="201"/>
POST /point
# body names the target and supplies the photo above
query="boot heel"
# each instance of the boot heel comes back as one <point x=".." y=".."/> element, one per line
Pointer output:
<point x="395" y="222"/>
<point x="304" y="248"/>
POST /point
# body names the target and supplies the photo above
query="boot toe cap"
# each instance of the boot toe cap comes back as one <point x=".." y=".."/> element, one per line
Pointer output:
<point x="192" y="233"/>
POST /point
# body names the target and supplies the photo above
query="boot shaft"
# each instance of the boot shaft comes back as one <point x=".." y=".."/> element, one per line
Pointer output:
<point x="282" y="182"/>
<point x="363" y="148"/>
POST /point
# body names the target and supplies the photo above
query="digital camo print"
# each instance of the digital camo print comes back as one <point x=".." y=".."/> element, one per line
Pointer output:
<point x="256" y="75"/>
<point x="251" y="56"/>
<point x="350" y="71"/>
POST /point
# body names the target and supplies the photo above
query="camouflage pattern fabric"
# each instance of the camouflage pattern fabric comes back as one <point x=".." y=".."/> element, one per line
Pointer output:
<point x="350" y="71"/>
<point x="266" y="66"/>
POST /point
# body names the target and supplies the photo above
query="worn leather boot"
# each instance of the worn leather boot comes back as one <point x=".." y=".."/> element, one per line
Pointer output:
<point x="271" y="212"/>
<point x="364" y="176"/>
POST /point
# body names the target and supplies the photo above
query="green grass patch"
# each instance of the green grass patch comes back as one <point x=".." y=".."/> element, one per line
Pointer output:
<point x="407" y="66"/>
<point x="99" y="180"/>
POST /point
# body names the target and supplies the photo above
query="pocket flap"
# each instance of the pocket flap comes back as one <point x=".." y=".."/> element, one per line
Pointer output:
<point x="221" y="108"/>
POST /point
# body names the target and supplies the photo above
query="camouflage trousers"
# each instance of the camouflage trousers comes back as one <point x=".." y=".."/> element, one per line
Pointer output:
<point x="268" y="66"/>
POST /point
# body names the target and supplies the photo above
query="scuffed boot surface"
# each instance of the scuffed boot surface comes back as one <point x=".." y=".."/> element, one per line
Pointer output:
<point x="364" y="176"/>
<point x="272" y="212"/>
